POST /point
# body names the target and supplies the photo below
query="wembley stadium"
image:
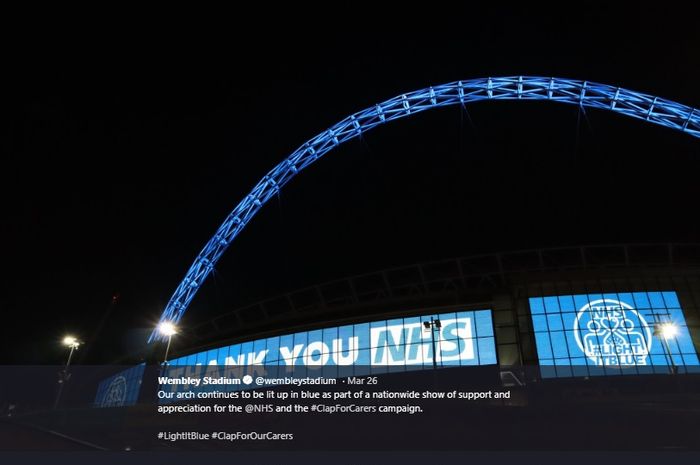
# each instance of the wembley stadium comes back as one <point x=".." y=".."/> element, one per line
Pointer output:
<point x="578" y="336"/>
<point x="536" y="348"/>
<point x="557" y="329"/>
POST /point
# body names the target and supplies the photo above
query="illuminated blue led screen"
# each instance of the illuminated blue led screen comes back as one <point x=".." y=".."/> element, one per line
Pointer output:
<point x="612" y="334"/>
<point x="464" y="338"/>
<point x="120" y="390"/>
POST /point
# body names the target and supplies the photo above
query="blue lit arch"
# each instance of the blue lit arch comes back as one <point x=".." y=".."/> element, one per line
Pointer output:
<point x="582" y="93"/>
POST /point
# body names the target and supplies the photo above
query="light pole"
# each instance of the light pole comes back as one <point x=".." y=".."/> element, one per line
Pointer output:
<point x="666" y="331"/>
<point x="168" y="329"/>
<point x="431" y="326"/>
<point x="73" y="344"/>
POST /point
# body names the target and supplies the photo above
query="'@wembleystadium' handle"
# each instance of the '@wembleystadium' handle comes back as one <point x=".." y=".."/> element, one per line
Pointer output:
<point x="582" y="93"/>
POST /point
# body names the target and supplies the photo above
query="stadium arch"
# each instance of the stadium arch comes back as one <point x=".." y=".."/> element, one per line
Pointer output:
<point x="637" y="105"/>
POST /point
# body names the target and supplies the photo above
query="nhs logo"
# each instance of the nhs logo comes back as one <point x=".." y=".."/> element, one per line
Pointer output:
<point x="414" y="344"/>
<point x="612" y="332"/>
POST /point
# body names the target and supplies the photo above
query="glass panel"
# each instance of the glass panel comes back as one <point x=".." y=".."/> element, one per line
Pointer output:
<point x="614" y="333"/>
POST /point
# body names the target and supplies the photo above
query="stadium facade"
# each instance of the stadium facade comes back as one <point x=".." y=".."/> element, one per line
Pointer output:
<point x="574" y="312"/>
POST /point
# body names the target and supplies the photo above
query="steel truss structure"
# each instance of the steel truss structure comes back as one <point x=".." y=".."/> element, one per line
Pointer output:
<point x="582" y="93"/>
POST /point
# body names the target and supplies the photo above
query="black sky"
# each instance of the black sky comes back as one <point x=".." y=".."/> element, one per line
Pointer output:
<point x="129" y="144"/>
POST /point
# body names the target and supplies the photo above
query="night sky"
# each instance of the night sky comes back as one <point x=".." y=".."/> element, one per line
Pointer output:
<point x="128" y="145"/>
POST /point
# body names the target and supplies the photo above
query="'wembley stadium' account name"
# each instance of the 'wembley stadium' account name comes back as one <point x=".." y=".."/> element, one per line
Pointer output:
<point x="222" y="380"/>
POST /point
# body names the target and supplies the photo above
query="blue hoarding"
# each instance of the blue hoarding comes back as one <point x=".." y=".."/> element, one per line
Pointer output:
<point x="462" y="338"/>
<point x="612" y="334"/>
<point x="122" y="389"/>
